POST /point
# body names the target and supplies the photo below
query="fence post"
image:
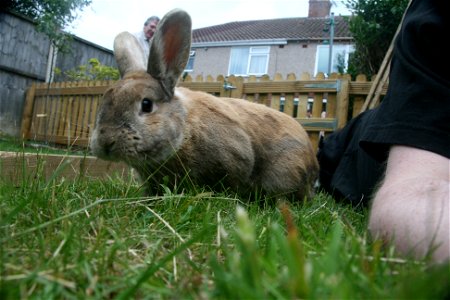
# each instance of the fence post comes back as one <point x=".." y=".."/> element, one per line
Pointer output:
<point x="318" y="99"/>
<point x="303" y="98"/>
<point x="226" y="81"/>
<point x="238" y="83"/>
<point x="289" y="97"/>
<point x="342" y="99"/>
<point x="28" y="112"/>
<point x="358" y="101"/>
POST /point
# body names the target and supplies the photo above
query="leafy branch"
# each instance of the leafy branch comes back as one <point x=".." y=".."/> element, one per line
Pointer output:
<point x="93" y="70"/>
<point x="51" y="16"/>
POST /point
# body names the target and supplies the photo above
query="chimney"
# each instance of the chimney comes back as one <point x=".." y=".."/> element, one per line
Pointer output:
<point x="319" y="8"/>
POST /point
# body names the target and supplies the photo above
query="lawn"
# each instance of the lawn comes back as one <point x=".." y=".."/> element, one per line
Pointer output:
<point x="100" y="239"/>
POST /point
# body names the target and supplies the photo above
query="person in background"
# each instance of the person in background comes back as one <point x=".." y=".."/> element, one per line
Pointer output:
<point x="144" y="37"/>
<point x="398" y="154"/>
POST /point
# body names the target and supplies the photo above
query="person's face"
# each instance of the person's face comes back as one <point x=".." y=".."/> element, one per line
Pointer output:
<point x="150" y="29"/>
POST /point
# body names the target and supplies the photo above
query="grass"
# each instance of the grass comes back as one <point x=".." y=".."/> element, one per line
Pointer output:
<point x="93" y="239"/>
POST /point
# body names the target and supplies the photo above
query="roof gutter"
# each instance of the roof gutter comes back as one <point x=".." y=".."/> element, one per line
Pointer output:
<point x="268" y="42"/>
<point x="240" y="43"/>
<point x="347" y="39"/>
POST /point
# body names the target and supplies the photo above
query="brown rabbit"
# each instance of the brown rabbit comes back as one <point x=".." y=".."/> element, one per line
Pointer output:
<point x="167" y="132"/>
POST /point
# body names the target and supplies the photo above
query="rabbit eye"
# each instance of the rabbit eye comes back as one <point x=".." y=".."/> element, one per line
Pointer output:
<point x="147" y="105"/>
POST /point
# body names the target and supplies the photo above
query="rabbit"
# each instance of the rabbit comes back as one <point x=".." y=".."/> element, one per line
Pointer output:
<point x="167" y="132"/>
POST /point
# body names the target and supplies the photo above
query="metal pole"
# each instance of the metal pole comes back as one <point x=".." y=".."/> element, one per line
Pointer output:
<point x="330" y="56"/>
<point x="51" y="63"/>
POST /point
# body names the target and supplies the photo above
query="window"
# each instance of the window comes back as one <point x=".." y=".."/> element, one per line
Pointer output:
<point x="190" y="63"/>
<point x="249" y="60"/>
<point x="339" y="58"/>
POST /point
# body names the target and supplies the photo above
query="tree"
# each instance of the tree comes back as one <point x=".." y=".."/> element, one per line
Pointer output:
<point x="94" y="70"/>
<point x="51" y="15"/>
<point x="373" y="25"/>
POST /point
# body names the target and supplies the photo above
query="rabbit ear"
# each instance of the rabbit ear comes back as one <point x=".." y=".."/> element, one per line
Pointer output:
<point x="128" y="53"/>
<point x="170" y="48"/>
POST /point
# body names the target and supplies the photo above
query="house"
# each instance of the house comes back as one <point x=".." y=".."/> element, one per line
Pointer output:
<point x="289" y="45"/>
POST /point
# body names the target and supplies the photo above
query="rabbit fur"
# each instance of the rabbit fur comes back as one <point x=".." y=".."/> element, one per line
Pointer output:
<point x="167" y="132"/>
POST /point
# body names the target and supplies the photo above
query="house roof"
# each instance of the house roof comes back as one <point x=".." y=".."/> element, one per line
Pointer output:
<point x="287" y="29"/>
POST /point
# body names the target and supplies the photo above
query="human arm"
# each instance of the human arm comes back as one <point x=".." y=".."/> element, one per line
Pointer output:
<point x="411" y="207"/>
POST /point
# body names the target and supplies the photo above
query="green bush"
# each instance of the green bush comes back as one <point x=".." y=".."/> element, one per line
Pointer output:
<point x="94" y="70"/>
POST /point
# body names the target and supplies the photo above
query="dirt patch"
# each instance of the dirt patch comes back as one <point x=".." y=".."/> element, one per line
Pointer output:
<point x="14" y="166"/>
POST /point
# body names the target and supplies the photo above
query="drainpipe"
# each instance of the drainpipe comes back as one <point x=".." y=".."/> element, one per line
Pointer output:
<point x="330" y="57"/>
<point x="51" y="63"/>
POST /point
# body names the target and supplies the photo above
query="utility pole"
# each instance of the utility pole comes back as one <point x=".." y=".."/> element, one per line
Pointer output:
<point x="330" y="56"/>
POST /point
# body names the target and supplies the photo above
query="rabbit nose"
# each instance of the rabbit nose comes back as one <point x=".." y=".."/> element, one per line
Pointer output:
<point x="108" y="147"/>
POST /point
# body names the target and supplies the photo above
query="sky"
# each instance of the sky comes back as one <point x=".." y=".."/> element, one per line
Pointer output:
<point x="104" y="19"/>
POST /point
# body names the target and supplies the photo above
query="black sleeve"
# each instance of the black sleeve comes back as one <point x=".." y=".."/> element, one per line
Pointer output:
<point x="346" y="171"/>
<point x="416" y="109"/>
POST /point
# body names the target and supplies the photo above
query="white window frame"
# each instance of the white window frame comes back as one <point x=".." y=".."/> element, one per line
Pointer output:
<point x="191" y="59"/>
<point x="253" y="52"/>
<point x="337" y="49"/>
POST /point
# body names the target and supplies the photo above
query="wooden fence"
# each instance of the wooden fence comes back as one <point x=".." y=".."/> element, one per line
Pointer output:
<point x="64" y="113"/>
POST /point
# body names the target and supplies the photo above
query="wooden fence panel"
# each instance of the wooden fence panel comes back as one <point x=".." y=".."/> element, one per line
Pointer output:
<point x="64" y="113"/>
<point x="61" y="124"/>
